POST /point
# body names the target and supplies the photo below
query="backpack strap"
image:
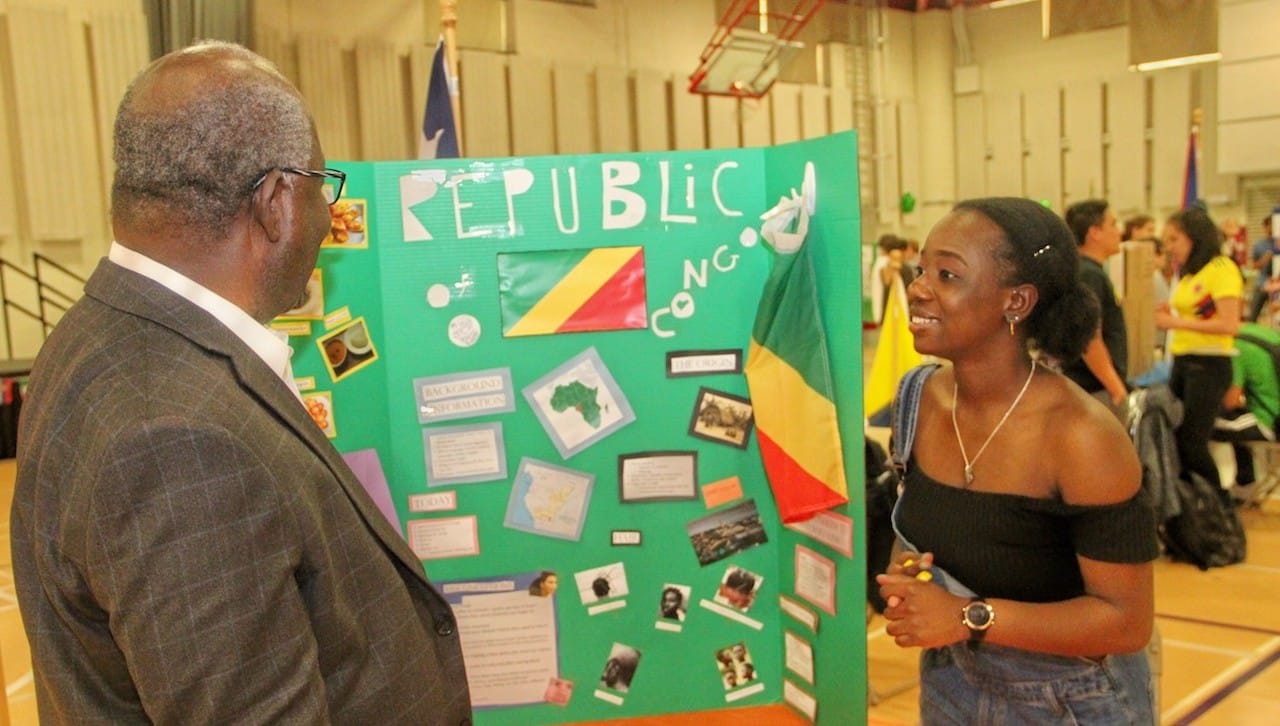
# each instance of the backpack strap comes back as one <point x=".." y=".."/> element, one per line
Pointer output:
<point x="903" y="414"/>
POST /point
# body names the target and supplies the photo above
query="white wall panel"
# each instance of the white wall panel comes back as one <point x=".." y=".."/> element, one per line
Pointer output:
<point x="1249" y="147"/>
<point x="888" y="187"/>
<point x="1171" y="127"/>
<point x="971" y="147"/>
<point x="653" y="98"/>
<point x="272" y="44"/>
<point x="756" y="121"/>
<point x="324" y="79"/>
<point x="613" y="109"/>
<point x="909" y="157"/>
<point x="1082" y="132"/>
<point x="118" y="49"/>
<point x="1125" y="151"/>
<point x="784" y="101"/>
<point x="688" y="118"/>
<point x="1003" y="116"/>
<point x="815" y="119"/>
<point x="1241" y="26"/>
<point x="722" y="123"/>
<point x="1042" y="138"/>
<point x="54" y="131"/>
<point x="534" y="132"/>
<point x="382" y="107"/>
<point x="1242" y="90"/>
<point x="575" y="108"/>
<point x="486" y="126"/>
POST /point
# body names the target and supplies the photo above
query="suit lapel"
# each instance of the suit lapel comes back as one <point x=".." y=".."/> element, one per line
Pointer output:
<point x="138" y="295"/>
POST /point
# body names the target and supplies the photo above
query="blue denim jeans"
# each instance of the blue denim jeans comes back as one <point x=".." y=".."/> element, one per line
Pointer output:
<point x="994" y="685"/>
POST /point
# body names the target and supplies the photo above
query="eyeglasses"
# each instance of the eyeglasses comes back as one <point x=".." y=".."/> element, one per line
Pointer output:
<point x="340" y="176"/>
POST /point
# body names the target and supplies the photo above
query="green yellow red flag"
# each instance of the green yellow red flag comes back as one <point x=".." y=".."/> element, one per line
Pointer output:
<point x="789" y="376"/>
<point x="571" y="291"/>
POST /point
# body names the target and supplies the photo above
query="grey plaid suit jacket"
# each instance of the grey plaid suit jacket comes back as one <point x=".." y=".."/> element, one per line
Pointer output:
<point x="189" y="548"/>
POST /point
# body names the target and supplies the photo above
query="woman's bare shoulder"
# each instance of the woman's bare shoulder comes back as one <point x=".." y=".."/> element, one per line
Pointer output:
<point x="1094" y="458"/>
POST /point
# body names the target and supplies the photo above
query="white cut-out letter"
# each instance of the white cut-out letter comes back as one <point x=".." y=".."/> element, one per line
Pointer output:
<point x="664" y="172"/>
<point x="573" y="198"/>
<point x="618" y="174"/>
<point x="715" y="189"/>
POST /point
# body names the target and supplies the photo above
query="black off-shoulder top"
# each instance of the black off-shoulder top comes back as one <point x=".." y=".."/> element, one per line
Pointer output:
<point x="1018" y="547"/>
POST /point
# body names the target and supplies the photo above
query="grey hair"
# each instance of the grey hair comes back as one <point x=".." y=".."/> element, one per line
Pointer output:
<point x="195" y="162"/>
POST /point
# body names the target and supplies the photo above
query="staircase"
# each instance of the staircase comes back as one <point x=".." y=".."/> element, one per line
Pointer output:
<point x="33" y="301"/>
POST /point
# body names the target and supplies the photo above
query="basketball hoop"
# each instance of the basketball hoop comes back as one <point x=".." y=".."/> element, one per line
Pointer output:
<point x="743" y="62"/>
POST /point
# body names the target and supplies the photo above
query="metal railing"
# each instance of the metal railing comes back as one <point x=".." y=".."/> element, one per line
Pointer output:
<point x="45" y="302"/>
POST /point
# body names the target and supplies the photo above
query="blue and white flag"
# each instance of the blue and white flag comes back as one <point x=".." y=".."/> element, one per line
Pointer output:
<point x="439" y="138"/>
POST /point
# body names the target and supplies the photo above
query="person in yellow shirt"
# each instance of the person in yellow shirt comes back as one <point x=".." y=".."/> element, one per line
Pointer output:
<point x="1202" y="316"/>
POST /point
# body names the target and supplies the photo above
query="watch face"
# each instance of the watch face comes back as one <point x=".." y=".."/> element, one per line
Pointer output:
<point x="978" y="615"/>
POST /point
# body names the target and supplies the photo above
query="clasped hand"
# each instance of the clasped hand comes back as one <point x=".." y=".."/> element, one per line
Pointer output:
<point x="921" y="613"/>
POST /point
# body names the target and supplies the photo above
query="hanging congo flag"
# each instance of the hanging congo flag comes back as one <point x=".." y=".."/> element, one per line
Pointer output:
<point x="789" y="376"/>
<point x="572" y="291"/>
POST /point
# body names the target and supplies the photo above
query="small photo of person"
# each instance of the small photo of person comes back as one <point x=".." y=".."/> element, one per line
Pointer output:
<point x="545" y="584"/>
<point x="674" y="602"/>
<point x="738" y="588"/>
<point x="735" y="665"/>
<point x="620" y="668"/>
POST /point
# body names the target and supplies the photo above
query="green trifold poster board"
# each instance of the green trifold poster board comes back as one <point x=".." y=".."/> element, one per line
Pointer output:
<point x="535" y="365"/>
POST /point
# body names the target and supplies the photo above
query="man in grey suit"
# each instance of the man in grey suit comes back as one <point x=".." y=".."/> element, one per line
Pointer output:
<point x="188" y="546"/>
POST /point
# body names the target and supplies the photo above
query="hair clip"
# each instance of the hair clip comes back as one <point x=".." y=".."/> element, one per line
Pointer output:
<point x="1041" y="251"/>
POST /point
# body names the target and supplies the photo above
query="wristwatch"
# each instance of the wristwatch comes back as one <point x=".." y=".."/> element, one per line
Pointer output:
<point x="978" y="617"/>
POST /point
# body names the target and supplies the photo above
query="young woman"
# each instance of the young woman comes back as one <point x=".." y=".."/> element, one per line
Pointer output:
<point x="1022" y="493"/>
<point x="1202" y="314"/>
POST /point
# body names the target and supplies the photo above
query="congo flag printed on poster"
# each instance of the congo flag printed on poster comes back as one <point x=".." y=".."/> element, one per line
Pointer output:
<point x="789" y="377"/>
<point x="572" y="291"/>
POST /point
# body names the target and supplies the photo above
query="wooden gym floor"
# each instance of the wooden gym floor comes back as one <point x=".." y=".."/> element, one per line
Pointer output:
<point x="1221" y="632"/>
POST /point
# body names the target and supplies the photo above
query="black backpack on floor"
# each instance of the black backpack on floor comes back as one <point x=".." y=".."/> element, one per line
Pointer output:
<point x="1208" y="532"/>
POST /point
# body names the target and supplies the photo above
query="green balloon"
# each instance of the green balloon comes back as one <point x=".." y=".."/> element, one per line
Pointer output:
<point x="1045" y="203"/>
<point x="907" y="203"/>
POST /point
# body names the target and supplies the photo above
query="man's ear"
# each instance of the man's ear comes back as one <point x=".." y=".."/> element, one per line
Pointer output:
<point x="1021" y="301"/>
<point x="270" y="204"/>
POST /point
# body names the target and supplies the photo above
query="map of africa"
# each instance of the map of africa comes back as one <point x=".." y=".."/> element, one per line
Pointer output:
<point x="579" y="396"/>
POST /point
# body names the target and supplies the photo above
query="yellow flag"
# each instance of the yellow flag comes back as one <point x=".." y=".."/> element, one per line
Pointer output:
<point x="895" y="352"/>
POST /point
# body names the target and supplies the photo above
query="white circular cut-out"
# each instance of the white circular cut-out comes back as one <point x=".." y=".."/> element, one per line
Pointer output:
<point x="438" y="295"/>
<point x="464" y="331"/>
<point x="749" y="237"/>
<point x="682" y="305"/>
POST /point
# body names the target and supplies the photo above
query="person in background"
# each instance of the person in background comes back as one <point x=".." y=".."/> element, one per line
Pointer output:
<point x="888" y="265"/>
<point x="1161" y="282"/>
<point x="1202" y="316"/>
<point x="1101" y="370"/>
<point x="1022" y="492"/>
<point x="188" y="546"/>
<point x="1251" y="404"/>
<point x="1260" y="255"/>
<point x="1139" y="227"/>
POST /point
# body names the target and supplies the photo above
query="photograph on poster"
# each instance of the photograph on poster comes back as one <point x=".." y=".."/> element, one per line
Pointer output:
<point x="674" y="603"/>
<point x="722" y="417"/>
<point x="736" y="665"/>
<point x="545" y="584"/>
<point x="620" y="668"/>
<point x="703" y="362"/>
<point x="320" y="407"/>
<point x="347" y="349"/>
<point x="348" y="228"/>
<point x="549" y="500"/>
<point x="464" y="395"/>
<point x="719" y="534"/>
<point x="738" y="588"/>
<point x="579" y="403"/>
<point x="509" y="639"/>
<point x="602" y="583"/>
<point x="658" y="476"/>
<point x="559" y="691"/>
<point x="464" y="454"/>
<point x="311" y="305"/>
